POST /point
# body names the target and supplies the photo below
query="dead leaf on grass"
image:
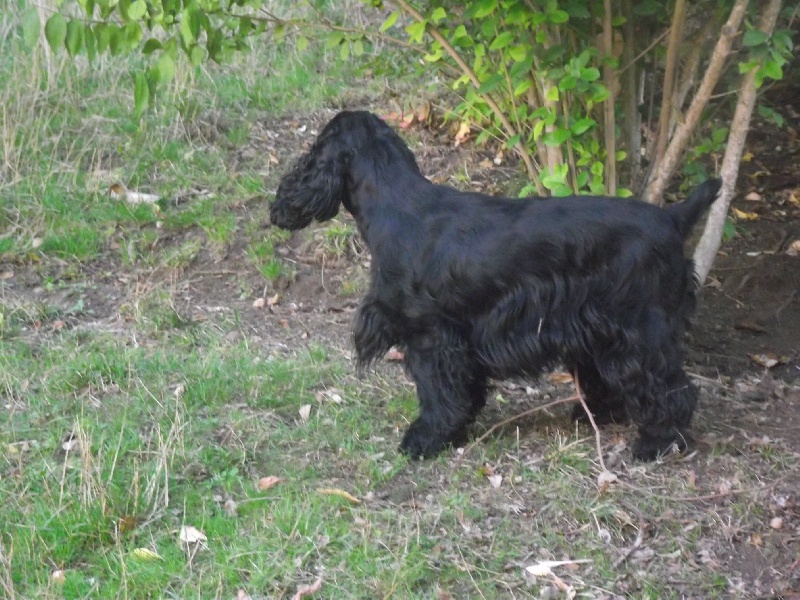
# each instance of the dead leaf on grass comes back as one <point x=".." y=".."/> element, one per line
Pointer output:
<point x="559" y="377"/>
<point x="273" y="300"/>
<point x="341" y="493"/>
<point x="604" y="481"/>
<point x="753" y="197"/>
<point x="305" y="412"/>
<point x="394" y="354"/>
<point x="267" y="482"/>
<point x="146" y="554"/>
<point x="463" y="133"/>
<point x="794" y="248"/>
<point x="545" y="567"/>
<point x="259" y="303"/>
<point x="58" y="577"/>
<point x="744" y="216"/>
<point x="331" y="395"/>
<point x="307" y="590"/>
<point x="6" y="275"/>
<point x="117" y="191"/>
<point x="495" y="480"/>
<point x="776" y="523"/>
<point x="191" y="535"/>
<point x="768" y="360"/>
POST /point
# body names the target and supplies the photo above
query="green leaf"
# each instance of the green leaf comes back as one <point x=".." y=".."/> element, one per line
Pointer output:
<point x="552" y="94"/>
<point x="754" y="37"/>
<point x="137" y="10"/>
<point x="772" y="70"/>
<point x="590" y="74"/>
<point x="151" y="46"/>
<point x="519" y="52"/>
<point x="391" y="20"/>
<point x="582" y="125"/>
<point x="141" y="94"/>
<point x="416" y="31"/>
<point x="301" y="43"/>
<point x="746" y="67"/>
<point x="557" y="137"/>
<point x="513" y="141"/>
<point x="344" y="51"/>
<point x="502" y="40"/>
<point x="438" y="14"/>
<point x="618" y="20"/>
<point x="89" y="42"/>
<point x="74" y="40"/>
<point x="491" y="83"/>
<point x="728" y="230"/>
<point x="165" y="69"/>
<point x="483" y="8"/>
<point x="624" y="193"/>
<point x="31" y="27"/>
<point x="538" y="127"/>
<point x="523" y="87"/>
<point x="558" y="16"/>
<point x="582" y="179"/>
<point x="597" y="168"/>
<point x="620" y="155"/>
<point x="197" y="55"/>
<point x="771" y="115"/>
<point x="561" y="190"/>
<point x="55" y="31"/>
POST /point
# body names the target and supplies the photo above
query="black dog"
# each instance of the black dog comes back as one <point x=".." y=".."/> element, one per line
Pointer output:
<point x="474" y="286"/>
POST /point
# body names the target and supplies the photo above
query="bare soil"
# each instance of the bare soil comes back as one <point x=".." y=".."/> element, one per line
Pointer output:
<point x="748" y="314"/>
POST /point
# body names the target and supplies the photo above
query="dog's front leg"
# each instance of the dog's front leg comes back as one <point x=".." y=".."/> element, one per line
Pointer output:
<point x="451" y="388"/>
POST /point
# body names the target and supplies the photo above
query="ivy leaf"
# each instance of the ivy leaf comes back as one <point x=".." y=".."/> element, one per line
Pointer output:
<point x="137" y="10"/>
<point x="484" y="8"/>
<point x="438" y="14"/>
<point x="55" y="31"/>
<point x="772" y="70"/>
<point x="416" y="31"/>
<point x="31" y="27"/>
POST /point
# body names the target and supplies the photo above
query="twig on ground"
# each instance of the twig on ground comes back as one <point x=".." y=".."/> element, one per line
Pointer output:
<point x="639" y="536"/>
<point x="591" y="420"/>
<point x="516" y="417"/>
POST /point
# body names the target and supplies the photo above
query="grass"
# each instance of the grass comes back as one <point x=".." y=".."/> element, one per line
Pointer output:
<point x="143" y="394"/>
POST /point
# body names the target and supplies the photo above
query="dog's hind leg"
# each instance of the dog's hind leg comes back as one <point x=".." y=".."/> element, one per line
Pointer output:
<point x="451" y="388"/>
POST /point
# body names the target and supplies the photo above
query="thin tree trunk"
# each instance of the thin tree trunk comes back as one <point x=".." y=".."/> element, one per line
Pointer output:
<point x="663" y="170"/>
<point x="712" y="235"/>
<point x="610" y="124"/>
<point x="633" y="136"/>
<point x="675" y="36"/>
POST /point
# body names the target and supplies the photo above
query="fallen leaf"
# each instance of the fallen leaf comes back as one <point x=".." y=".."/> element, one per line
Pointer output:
<point x="495" y="480"/>
<point x="753" y="197"/>
<point x="749" y="325"/>
<point x="273" y="300"/>
<point x="242" y="595"/>
<point x="36" y="242"/>
<point x="305" y="412"/>
<point x="545" y="567"/>
<point x="307" y="590"/>
<point x="146" y="554"/>
<point x="333" y="395"/>
<point x="267" y="482"/>
<point x="341" y="493"/>
<point x="776" y="523"/>
<point x="191" y="535"/>
<point x="604" y="480"/>
<point x="744" y="216"/>
<point x="394" y="354"/>
<point x="230" y="507"/>
<point x="6" y="275"/>
<point x="58" y="577"/>
<point x="117" y="191"/>
<point x="463" y="133"/>
<point x="794" y="248"/>
<point x="768" y="360"/>
<point x="259" y="303"/>
<point x="559" y="377"/>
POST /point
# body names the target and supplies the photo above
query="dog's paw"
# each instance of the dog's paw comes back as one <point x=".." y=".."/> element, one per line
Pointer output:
<point x="422" y="441"/>
<point x="650" y="448"/>
<point x="604" y="416"/>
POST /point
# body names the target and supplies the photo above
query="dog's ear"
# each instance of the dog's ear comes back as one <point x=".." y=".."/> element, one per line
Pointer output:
<point x="314" y="188"/>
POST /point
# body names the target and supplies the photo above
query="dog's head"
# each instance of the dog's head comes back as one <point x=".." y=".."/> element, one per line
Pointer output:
<point x="322" y="178"/>
<point x="316" y="185"/>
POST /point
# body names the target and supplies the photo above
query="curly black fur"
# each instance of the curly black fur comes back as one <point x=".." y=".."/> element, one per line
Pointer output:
<point x="475" y="286"/>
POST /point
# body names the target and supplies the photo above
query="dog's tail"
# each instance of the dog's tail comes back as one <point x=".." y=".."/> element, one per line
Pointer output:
<point x="689" y="211"/>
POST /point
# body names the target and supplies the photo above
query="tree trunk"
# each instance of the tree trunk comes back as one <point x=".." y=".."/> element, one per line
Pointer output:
<point x="712" y="235"/>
